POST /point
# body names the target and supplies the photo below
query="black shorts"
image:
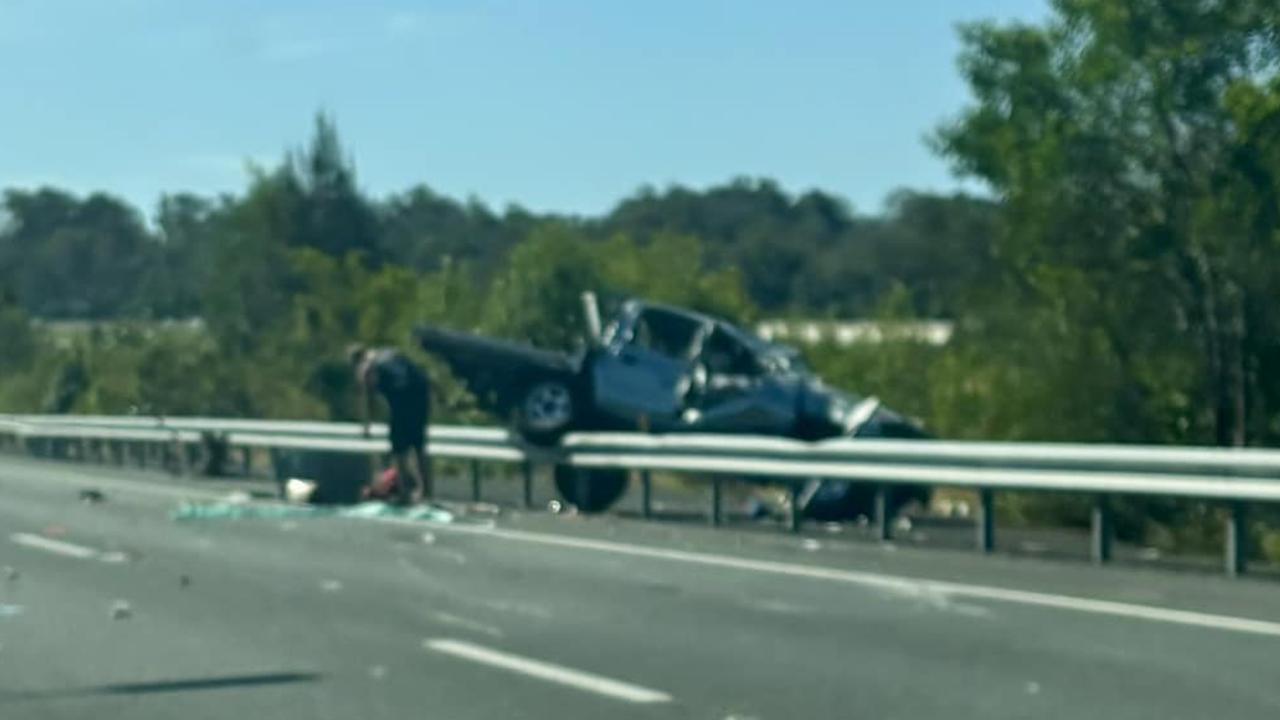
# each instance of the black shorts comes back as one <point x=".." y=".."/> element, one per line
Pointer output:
<point x="409" y="415"/>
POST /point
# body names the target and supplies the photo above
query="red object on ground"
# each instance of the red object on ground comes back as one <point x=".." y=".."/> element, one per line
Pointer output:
<point x="385" y="487"/>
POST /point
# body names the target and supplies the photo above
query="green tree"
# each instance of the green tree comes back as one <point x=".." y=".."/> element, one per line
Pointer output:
<point x="331" y="214"/>
<point x="1110" y="136"/>
<point x="67" y="257"/>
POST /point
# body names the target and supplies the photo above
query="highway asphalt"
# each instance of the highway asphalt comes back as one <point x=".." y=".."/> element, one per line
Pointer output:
<point x="114" y="609"/>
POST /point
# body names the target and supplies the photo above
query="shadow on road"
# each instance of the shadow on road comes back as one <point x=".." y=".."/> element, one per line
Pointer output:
<point x="165" y="686"/>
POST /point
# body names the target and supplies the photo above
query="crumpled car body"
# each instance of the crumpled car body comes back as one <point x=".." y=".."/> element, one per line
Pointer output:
<point x="662" y="369"/>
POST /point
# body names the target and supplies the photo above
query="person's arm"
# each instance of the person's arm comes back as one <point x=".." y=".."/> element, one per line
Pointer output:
<point x="366" y="399"/>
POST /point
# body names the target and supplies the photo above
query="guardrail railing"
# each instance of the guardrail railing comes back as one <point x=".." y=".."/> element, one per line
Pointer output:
<point x="1235" y="477"/>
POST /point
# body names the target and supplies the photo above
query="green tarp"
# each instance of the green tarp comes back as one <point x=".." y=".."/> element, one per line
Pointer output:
<point x="277" y="511"/>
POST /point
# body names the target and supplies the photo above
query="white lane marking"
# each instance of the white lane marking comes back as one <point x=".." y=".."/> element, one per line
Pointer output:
<point x="890" y="582"/>
<point x="776" y="607"/>
<point x="466" y="624"/>
<point x="529" y="610"/>
<point x="57" y="547"/>
<point x="547" y="671"/>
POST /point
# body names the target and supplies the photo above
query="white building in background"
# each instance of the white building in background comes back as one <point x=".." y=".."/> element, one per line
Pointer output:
<point x="856" y="332"/>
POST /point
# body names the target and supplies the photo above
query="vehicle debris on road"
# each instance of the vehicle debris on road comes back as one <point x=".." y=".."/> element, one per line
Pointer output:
<point x="121" y="610"/>
<point x="235" y="511"/>
<point x="91" y="496"/>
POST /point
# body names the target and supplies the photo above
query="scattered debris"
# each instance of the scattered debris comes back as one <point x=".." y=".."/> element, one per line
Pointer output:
<point x="428" y="538"/>
<point x="485" y="509"/>
<point x="114" y="557"/>
<point x="756" y="509"/>
<point x="238" y="497"/>
<point x="833" y="527"/>
<point x="184" y="581"/>
<point x="555" y="507"/>
<point x="121" y="610"/>
<point x="1150" y="554"/>
<point x="288" y="526"/>
<point x="452" y="555"/>
<point x="1033" y="688"/>
<point x="386" y="486"/>
<point x="378" y="672"/>
<point x="468" y="624"/>
<point x="330" y="585"/>
<point x="228" y="511"/>
<point x="8" y="611"/>
<point x="299" y="491"/>
<point x="902" y="524"/>
<point x="524" y="609"/>
<point x="811" y="545"/>
<point x="92" y="496"/>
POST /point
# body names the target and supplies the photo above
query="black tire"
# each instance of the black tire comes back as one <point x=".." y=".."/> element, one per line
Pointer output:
<point x="546" y="410"/>
<point x="591" y="491"/>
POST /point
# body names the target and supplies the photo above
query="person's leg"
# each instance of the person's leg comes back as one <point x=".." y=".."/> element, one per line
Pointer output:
<point x="418" y="412"/>
<point x="424" y="473"/>
<point x="401" y="431"/>
<point x="408" y="479"/>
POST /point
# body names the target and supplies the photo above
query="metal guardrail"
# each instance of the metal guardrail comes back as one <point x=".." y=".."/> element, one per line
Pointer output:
<point x="1233" y="476"/>
<point x="36" y="424"/>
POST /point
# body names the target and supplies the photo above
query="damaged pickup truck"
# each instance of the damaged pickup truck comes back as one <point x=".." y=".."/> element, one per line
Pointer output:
<point x="664" y="369"/>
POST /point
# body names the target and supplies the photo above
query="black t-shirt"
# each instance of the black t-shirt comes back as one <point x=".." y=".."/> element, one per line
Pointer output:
<point x="396" y="376"/>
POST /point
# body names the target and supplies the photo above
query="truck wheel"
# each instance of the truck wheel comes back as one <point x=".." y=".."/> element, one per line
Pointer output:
<point x="591" y="491"/>
<point x="546" y="412"/>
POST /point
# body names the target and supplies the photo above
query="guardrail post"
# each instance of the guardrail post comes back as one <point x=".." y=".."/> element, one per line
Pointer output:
<point x="884" y="523"/>
<point x="716" y="497"/>
<point x="526" y="477"/>
<point x="475" y="481"/>
<point x="986" y="520"/>
<point x="1236" y="545"/>
<point x="795" y="519"/>
<point x="646" y="494"/>
<point x="175" y="458"/>
<point x="246" y="461"/>
<point x="1101" y="531"/>
<point x="278" y="471"/>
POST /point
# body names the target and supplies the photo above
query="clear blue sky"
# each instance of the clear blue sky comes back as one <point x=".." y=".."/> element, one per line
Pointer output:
<point x="554" y="104"/>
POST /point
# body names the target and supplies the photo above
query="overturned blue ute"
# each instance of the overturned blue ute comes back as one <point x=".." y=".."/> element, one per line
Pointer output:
<point x="662" y="369"/>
